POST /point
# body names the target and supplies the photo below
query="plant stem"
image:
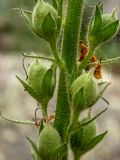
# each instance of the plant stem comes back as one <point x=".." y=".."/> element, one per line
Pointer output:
<point x="63" y="106"/>
<point x="76" y="156"/>
<point x="55" y="54"/>
<point x="39" y="57"/>
<point x="17" y="121"/>
<point x="71" y="34"/>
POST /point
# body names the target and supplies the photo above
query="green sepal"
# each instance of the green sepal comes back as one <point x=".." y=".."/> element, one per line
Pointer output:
<point x="80" y="125"/>
<point x="61" y="151"/>
<point x="108" y="31"/>
<point x="101" y="92"/>
<point x="96" y="22"/>
<point x="78" y="83"/>
<point x="96" y="140"/>
<point x="100" y="6"/>
<point x="34" y="150"/>
<point x="79" y="101"/>
<point x="49" y="27"/>
<point x="56" y="4"/>
<point x="29" y="89"/>
<point x="49" y="82"/>
<point x="28" y="20"/>
<point x="41" y="127"/>
<point x="90" y="90"/>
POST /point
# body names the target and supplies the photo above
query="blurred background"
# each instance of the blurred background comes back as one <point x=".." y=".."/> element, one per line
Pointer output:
<point x="15" y="38"/>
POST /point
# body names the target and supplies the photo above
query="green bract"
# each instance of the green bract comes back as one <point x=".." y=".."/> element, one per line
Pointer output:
<point x="44" y="20"/>
<point x="84" y="92"/>
<point x="49" y="142"/>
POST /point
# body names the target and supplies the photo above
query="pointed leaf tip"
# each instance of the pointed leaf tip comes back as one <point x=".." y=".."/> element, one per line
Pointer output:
<point x="96" y="140"/>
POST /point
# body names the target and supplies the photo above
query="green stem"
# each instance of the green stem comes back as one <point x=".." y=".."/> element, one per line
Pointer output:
<point x="17" y="121"/>
<point x="18" y="9"/>
<point x="76" y="156"/>
<point x="55" y="54"/>
<point x="63" y="106"/>
<point x="73" y="123"/>
<point x="112" y="60"/>
<point x="39" y="57"/>
<point x="71" y="34"/>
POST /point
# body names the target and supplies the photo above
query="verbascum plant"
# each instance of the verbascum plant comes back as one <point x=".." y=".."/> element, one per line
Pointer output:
<point x="81" y="83"/>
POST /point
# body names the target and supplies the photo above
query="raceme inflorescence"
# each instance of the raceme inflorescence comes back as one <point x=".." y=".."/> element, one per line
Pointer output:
<point x="81" y="82"/>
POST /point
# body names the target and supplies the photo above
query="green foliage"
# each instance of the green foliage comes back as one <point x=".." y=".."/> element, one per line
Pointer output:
<point x="78" y="87"/>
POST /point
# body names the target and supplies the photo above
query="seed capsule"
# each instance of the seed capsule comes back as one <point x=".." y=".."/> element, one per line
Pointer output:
<point x="44" y="20"/>
<point x="49" y="141"/>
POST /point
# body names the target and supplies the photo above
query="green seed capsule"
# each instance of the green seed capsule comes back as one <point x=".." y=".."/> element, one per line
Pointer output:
<point x="44" y="20"/>
<point x="90" y="90"/>
<point x="109" y="18"/>
<point x="36" y="72"/>
<point x="49" y="141"/>
<point x="83" y="136"/>
<point x="84" y="92"/>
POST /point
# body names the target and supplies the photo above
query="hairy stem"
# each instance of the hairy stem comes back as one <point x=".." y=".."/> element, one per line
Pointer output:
<point x="71" y="34"/>
<point x="39" y="57"/>
<point x="55" y="54"/>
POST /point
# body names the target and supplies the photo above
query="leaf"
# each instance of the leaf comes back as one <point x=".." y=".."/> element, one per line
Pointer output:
<point x="108" y="31"/>
<point x="97" y="22"/>
<point x="94" y="142"/>
<point x="29" y="89"/>
<point x="34" y="151"/>
<point x="100" y="6"/>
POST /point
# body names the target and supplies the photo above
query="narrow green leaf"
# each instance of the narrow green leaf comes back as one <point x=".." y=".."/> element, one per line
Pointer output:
<point x="102" y="91"/>
<point x="97" y="22"/>
<point x="35" y="152"/>
<point x="100" y="5"/>
<point x="55" y="4"/>
<point x="94" y="142"/>
<point x="29" y="89"/>
<point x="108" y="31"/>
